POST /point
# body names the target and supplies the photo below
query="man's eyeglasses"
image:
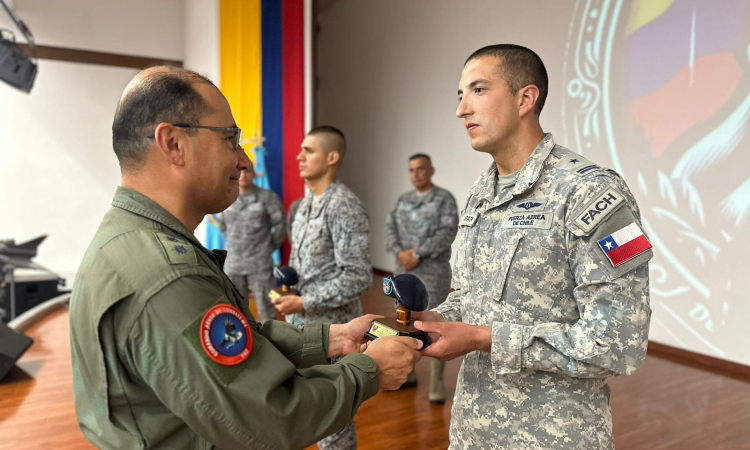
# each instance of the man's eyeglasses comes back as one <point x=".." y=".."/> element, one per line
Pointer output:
<point x="236" y="138"/>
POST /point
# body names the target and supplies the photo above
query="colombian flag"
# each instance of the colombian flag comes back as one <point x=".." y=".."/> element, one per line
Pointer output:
<point x="265" y="75"/>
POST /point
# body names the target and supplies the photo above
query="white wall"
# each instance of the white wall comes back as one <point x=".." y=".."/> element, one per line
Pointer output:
<point x="388" y="71"/>
<point x="201" y="49"/>
<point x="134" y="27"/>
<point x="58" y="172"/>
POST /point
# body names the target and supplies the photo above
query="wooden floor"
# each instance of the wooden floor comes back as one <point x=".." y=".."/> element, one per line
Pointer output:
<point x="663" y="406"/>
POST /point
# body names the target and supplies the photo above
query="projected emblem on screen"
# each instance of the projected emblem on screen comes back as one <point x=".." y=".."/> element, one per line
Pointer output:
<point x="660" y="92"/>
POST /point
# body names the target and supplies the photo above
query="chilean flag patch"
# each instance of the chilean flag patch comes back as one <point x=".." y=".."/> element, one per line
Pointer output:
<point x="624" y="244"/>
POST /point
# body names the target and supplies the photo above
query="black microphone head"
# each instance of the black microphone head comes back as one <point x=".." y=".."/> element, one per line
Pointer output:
<point x="408" y="290"/>
<point x="286" y="275"/>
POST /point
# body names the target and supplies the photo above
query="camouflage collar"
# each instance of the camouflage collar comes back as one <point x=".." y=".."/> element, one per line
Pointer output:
<point x="485" y="187"/>
<point x="139" y="204"/>
<point x="250" y="196"/>
<point x="317" y="207"/>
<point x="415" y="199"/>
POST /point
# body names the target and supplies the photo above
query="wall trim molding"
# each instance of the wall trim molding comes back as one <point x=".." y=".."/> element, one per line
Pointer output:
<point x="700" y="361"/>
<point x="100" y="58"/>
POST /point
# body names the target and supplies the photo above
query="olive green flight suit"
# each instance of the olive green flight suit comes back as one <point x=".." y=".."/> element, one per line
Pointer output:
<point x="142" y="378"/>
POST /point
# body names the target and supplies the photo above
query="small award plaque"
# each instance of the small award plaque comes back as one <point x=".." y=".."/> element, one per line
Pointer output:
<point x="411" y="295"/>
<point x="287" y="277"/>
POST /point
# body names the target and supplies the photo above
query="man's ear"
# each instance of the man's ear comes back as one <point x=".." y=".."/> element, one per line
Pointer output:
<point x="171" y="142"/>
<point x="333" y="158"/>
<point x="527" y="99"/>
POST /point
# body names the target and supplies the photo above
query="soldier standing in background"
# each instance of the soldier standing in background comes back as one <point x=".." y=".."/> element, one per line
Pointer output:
<point x="254" y="227"/>
<point x="330" y="249"/>
<point x="419" y="231"/>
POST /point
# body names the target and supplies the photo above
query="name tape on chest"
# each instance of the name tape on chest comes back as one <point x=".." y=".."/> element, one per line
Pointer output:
<point x="541" y="219"/>
<point x="468" y="220"/>
<point x="599" y="208"/>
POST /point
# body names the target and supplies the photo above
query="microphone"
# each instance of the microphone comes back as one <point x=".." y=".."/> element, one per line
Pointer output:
<point x="286" y="276"/>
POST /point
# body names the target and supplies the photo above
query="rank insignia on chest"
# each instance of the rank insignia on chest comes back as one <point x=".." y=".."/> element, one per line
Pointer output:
<point x="468" y="220"/>
<point x="225" y="335"/>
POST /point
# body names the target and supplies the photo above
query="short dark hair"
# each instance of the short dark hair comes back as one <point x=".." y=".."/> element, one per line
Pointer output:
<point x="519" y="67"/>
<point x="166" y="95"/>
<point x="339" y="141"/>
<point x="420" y="155"/>
<point x="322" y="129"/>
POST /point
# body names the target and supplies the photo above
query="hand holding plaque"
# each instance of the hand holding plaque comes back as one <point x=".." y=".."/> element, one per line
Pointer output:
<point x="411" y="295"/>
<point x="285" y="299"/>
<point x="287" y="277"/>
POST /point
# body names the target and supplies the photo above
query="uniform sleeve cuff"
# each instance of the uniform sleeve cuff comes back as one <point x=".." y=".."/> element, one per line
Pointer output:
<point x="369" y="368"/>
<point x="314" y="344"/>
<point x="506" y="347"/>
<point x="449" y="312"/>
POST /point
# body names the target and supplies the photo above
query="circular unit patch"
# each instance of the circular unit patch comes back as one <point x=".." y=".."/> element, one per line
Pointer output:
<point x="226" y="335"/>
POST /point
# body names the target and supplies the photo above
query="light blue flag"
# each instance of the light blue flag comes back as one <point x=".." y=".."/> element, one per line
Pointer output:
<point x="261" y="180"/>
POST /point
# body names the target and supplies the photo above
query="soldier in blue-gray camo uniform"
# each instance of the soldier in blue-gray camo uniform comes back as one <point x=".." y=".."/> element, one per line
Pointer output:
<point x="419" y="232"/>
<point x="330" y="249"/>
<point x="551" y="275"/>
<point x="254" y="227"/>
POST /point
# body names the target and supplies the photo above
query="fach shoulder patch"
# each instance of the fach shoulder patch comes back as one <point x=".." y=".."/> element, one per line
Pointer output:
<point x="604" y="203"/>
<point x="177" y="250"/>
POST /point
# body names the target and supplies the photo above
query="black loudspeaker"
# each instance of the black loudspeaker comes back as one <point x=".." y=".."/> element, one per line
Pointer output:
<point x="12" y="346"/>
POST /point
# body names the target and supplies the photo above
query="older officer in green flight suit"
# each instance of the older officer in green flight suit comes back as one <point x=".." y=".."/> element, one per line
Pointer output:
<point x="165" y="351"/>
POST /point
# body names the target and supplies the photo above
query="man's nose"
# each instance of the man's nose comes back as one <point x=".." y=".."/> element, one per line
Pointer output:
<point x="243" y="162"/>
<point x="463" y="108"/>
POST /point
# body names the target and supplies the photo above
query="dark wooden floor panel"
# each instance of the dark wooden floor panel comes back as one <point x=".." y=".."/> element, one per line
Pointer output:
<point x="663" y="406"/>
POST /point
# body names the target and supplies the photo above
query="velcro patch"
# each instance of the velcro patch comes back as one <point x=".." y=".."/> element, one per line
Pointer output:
<point x="529" y="205"/>
<point x="468" y="220"/>
<point x="177" y="250"/>
<point x="540" y="219"/>
<point x="624" y="244"/>
<point x="225" y="335"/>
<point x="598" y="208"/>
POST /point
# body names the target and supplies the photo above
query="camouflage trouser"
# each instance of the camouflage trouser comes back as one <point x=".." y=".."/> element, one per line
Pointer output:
<point x="345" y="439"/>
<point x="261" y="285"/>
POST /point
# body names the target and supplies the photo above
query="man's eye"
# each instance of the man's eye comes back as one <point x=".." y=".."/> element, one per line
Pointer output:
<point x="478" y="90"/>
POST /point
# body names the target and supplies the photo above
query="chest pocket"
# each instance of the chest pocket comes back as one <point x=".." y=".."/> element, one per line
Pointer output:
<point x="533" y="274"/>
<point x="505" y="247"/>
<point x="317" y="243"/>
<point x="254" y="217"/>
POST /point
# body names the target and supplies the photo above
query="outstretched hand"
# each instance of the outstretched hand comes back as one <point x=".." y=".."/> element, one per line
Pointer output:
<point x="455" y="339"/>
<point x="349" y="337"/>
<point x="395" y="357"/>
